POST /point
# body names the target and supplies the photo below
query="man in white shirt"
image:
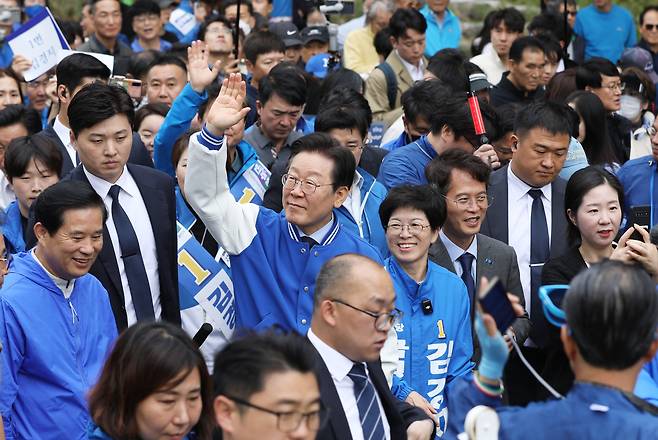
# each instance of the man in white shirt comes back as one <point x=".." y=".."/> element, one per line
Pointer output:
<point x="354" y="296"/>
<point x="529" y="216"/>
<point x="137" y="264"/>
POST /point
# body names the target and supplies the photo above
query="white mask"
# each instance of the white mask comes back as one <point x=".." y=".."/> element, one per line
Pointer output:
<point x="631" y="107"/>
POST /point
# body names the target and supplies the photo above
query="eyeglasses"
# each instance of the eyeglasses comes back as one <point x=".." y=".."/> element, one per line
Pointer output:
<point x="383" y="321"/>
<point x="614" y="86"/>
<point x="308" y="187"/>
<point x="481" y="200"/>
<point x="651" y="27"/>
<point x="144" y="18"/>
<point x="290" y="421"/>
<point x="5" y="259"/>
<point x="413" y="228"/>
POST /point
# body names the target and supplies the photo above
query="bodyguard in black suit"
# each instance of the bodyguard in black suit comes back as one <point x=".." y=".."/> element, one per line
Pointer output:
<point x="74" y="72"/>
<point x="525" y="192"/>
<point x="137" y="264"/>
<point x="353" y="312"/>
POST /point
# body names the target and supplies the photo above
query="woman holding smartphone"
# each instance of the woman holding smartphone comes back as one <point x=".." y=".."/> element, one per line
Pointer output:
<point x="154" y="385"/>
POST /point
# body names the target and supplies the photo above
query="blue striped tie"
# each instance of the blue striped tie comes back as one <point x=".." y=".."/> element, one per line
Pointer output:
<point x="366" y="401"/>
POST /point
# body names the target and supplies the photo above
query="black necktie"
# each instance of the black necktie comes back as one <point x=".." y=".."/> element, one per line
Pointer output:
<point x="466" y="261"/>
<point x="366" y="402"/>
<point x="539" y="253"/>
<point x="132" y="259"/>
<point x="310" y="240"/>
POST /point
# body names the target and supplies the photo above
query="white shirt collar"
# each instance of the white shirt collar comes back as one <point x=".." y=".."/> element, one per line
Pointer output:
<point x="62" y="131"/>
<point x="455" y="251"/>
<point x="517" y="188"/>
<point x="416" y="72"/>
<point x="102" y="187"/>
<point x="66" y="286"/>
<point x="318" y="235"/>
<point x="337" y="364"/>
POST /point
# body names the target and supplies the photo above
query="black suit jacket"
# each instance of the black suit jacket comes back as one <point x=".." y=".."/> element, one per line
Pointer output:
<point x="157" y="190"/>
<point x="399" y="414"/>
<point x="138" y="153"/>
<point x="495" y="223"/>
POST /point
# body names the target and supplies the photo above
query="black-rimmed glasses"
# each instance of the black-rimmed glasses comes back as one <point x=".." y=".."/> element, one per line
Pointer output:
<point x="289" y="421"/>
<point x="383" y="321"/>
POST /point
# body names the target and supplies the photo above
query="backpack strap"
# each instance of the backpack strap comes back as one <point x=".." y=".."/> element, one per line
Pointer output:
<point x="391" y="83"/>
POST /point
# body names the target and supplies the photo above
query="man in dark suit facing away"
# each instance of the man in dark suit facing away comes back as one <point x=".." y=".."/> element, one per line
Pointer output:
<point x="354" y="308"/>
<point x="74" y="72"/>
<point x="529" y="216"/>
<point x="462" y="179"/>
<point x="137" y="264"/>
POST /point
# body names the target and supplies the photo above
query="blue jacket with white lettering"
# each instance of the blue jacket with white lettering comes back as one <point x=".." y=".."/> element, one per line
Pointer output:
<point x="13" y="229"/>
<point x="53" y="351"/>
<point x="373" y="194"/>
<point x="434" y="348"/>
<point x="273" y="270"/>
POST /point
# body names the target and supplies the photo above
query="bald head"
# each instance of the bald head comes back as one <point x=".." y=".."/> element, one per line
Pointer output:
<point x="340" y="271"/>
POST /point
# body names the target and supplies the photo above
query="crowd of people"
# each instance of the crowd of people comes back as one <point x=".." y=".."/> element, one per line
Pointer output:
<point x="255" y="223"/>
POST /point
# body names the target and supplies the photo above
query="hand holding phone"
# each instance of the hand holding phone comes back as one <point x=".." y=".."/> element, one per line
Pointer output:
<point x="494" y="301"/>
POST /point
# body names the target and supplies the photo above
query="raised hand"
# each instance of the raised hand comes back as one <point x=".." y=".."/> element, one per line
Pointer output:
<point x="201" y="76"/>
<point x="20" y="64"/>
<point x="487" y="154"/>
<point x="227" y="109"/>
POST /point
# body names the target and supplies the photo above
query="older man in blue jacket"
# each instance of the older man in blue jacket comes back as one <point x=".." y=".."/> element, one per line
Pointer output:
<point x="56" y="323"/>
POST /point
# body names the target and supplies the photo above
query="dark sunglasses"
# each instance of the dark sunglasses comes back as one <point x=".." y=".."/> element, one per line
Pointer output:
<point x="651" y="27"/>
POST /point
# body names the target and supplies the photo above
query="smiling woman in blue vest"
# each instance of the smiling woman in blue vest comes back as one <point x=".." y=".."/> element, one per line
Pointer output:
<point x="154" y="385"/>
<point x="434" y="334"/>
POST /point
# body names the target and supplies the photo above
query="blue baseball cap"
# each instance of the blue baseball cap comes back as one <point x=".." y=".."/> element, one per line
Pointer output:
<point x="318" y="65"/>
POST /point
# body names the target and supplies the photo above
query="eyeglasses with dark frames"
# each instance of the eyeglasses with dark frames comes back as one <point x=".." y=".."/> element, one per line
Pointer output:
<point x="289" y="421"/>
<point x="383" y="321"/>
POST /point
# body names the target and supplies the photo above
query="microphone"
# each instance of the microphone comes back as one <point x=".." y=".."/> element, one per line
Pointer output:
<point x="201" y="335"/>
<point x="426" y="305"/>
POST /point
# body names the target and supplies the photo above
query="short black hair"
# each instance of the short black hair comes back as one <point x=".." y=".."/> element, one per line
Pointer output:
<point x="341" y="78"/>
<point x="653" y="8"/>
<point x="19" y="114"/>
<point x="261" y="42"/>
<point x="550" y="116"/>
<point x="551" y="23"/>
<point x="74" y="68"/>
<point x="25" y="149"/>
<point x="341" y="117"/>
<point x="514" y="21"/>
<point x="404" y="19"/>
<point x="589" y="73"/>
<point x="92" y="5"/>
<point x="70" y="29"/>
<point x="244" y="364"/>
<point x="348" y="98"/>
<point x="522" y="44"/>
<point x="579" y="184"/>
<point x="424" y="198"/>
<point x="551" y="45"/>
<point x="287" y="81"/>
<point x="142" y="7"/>
<point x="152" y="108"/>
<point x="51" y="205"/>
<point x="215" y="18"/>
<point x="166" y="59"/>
<point x="139" y="63"/>
<point x="453" y="111"/>
<point x="612" y="314"/>
<point x="447" y="65"/>
<point x="243" y="3"/>
<point x="323" y="144"/>
<point x="439" y="169"/>
<point x="95" y="103"/>
<point x="506" y="116"/>
<point x="424" y="99"/>
<point x="382" y="42"/>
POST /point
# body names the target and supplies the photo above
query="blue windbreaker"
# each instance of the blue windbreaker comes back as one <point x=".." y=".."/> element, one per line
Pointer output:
<point x="13" y="229"/>
<point x="434" y="348"/>
<point x="53" y="351"/>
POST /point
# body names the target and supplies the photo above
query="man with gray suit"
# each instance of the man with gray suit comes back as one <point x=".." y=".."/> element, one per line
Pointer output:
<point x="529" y="216"/>
<point x="463" y="178"/>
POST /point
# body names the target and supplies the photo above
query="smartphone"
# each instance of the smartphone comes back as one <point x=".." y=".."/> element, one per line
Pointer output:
<point x="641" y="216"/>
<point x="494" y="301"/>
<point x="132" y="86"/>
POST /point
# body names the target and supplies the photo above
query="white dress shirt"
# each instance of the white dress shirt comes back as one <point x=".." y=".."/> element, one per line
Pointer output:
<point x="65" y="138"/>
<point x="455" y="252"/>
<point x="6" y="193"/>
<point x="416" y="72"/>
<point x="353" y="202"/>
<point x="338" y="366"/>
<point x="519" y="210"/>
<point x="133" y="204"/>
